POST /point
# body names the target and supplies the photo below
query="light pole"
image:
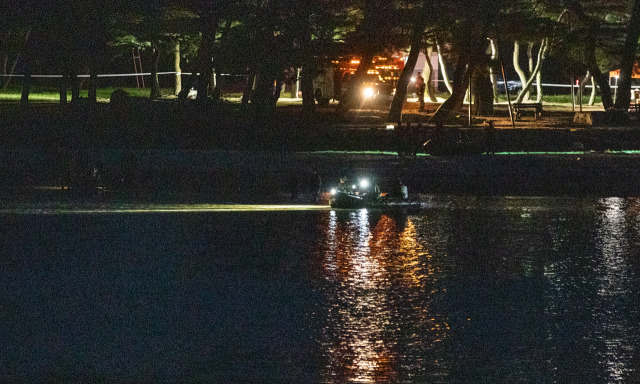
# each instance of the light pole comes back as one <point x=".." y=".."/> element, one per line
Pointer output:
<point x="615" y="90"/>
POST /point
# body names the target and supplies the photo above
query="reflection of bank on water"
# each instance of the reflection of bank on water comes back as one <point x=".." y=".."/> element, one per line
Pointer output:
<point x="377" y="325"/>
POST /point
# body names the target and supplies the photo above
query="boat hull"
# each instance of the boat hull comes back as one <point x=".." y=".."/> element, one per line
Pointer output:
<point x="346" y="201"/>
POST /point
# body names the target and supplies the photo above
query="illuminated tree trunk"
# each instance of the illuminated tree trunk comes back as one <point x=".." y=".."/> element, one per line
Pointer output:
<point x="542" y="52"/>
<point x="592" y="98"/>
<point x="492" y="72"/>
<point x="539" y="92"/>
<point x="623" y="97"/>
<point x="516" y="65"/>
<point x="176" y="67"/>
<point x="443" y="69"/>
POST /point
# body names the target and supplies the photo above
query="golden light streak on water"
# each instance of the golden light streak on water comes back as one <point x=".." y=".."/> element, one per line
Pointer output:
<point x="178" y="208"/>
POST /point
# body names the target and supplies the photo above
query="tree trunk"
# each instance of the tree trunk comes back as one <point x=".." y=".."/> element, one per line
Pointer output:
<point x="521" y="74"/>
<point x="296" y="83"/>
<point x="482" y="92"/>
<point x="93" y="86"/>
<point x="592" y="98"/>
<point x="492" y="73"/>
<point x="308" y="67"/>
<point x="176" y="67"/>
<point x="248" y="86"/>
<point x="26" y="85"/>
<point x="210" y="19"/>
<point x="623" y="97"/>
<point x="443" y="69"/>
<point x="530" y="57"/>
<point x="395" y="111"/>
<point x="539" y="92"/>
<point x="155" y="84"/>
<point x="263" y="95"/>
<point x="590" y="51"/>
<point x="525" y="86"/>
<point x="75" y="88"/>
<point x="454" y="103"/>
<point x="428" y="68"/>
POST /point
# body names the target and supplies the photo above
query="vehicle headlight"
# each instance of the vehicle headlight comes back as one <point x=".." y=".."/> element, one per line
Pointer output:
<point x="333" y="191"/>
<point x="364" y="184"/>
<point x="368" y="92"/>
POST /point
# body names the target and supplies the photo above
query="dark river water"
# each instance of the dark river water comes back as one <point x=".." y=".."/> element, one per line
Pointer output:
<point x="468" y="290"/>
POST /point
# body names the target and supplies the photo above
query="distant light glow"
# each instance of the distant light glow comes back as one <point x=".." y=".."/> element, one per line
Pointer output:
<point x="368" y="92"/>
<point x="333" y="191"/>
<point x="364" y="183"/>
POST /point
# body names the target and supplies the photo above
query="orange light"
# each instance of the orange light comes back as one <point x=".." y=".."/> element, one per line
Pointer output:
<point x="354" y="61"/>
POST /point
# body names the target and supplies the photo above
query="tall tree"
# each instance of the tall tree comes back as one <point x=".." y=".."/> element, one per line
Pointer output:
<point x="395" y="112"/>
<point x="468" y="23"/>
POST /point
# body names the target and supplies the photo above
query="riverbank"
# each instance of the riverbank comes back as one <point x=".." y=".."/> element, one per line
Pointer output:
<point x="244" y="177"/>
<point x="171" y="152"/>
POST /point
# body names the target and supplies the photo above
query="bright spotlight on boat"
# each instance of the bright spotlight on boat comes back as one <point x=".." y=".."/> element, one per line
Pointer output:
<point x="333" y="191"/>
<point x="364" y="183"/>
<point x="368" y="93"/>
<point x="353" y="186"/>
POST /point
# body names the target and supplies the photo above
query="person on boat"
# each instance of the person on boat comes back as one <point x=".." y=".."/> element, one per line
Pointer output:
<point x="400" y="190"/>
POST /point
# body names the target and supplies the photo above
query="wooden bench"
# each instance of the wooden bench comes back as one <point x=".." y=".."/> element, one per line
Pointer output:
<point x="518" y="108"/>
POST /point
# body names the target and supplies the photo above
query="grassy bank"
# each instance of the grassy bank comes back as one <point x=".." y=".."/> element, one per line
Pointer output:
<point x="52" y="95"/>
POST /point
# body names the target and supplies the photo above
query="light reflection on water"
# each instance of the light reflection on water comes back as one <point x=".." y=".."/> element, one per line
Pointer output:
<point x="376" y="266"/>
<point x="519" y="290"/>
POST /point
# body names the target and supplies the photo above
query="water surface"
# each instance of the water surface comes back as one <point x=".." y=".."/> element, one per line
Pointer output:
<point x="468" y="290"/>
